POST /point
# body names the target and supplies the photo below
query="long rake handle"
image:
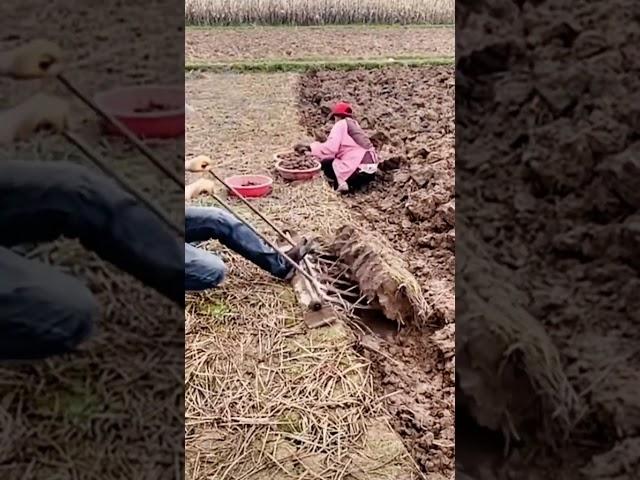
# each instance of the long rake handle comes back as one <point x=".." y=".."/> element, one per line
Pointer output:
<point x="123" y="182"/>
<point x="300" y="270"/>
<point x="142" y="148"/>
<point x="253" y="209"/>
<point x="308" y="275"/>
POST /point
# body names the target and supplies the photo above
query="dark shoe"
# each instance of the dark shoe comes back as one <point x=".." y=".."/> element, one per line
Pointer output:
<point x="298" y="253"/>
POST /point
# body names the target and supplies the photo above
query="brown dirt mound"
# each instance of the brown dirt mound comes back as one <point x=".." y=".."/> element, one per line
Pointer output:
<point x="410" y="113"/>
<point x="412" y="203"/>
<point x="381" y="275"/>
<point x="547" y="158"/>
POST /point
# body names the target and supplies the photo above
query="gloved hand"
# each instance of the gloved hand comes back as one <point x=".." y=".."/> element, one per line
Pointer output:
<point x="40" y="111"/>
<point x="205" y="185"/>
<point x="201" y="163"/>
<point x="202" y="185"/>
<point x="37" y="59"/>
<point x="301" y="148"/>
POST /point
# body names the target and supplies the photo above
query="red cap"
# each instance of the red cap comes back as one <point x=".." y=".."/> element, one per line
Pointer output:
<point x="342" y="108"/>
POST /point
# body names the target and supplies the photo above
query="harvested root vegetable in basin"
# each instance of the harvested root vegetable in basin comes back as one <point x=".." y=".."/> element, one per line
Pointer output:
<point x="294" y="161"/>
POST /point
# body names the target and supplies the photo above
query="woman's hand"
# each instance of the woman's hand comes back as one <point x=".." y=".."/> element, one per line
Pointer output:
<point x="201" y="163"/>
<point x="320" y="136"/>
<point x="301" y="148"/>
<point x="42" y="111"/>
<point x="37" y="59"/>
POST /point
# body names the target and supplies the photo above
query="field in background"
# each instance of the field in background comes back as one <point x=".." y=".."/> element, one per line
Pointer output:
<point x="335" y="43"/>
<point x="318" y="12"/>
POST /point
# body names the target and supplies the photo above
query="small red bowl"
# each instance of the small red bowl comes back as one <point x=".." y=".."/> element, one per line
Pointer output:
<point x="295" y="175"/>
<point x="263" y="185"/>
<point x="137" y="107"/>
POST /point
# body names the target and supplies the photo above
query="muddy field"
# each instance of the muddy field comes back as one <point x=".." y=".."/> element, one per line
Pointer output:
<point x="558" y="159"/>
<point x="412" y="207"/>
<point x="344" y="42"/>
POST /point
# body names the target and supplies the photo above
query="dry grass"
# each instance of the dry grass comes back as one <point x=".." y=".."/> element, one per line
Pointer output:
<point x="316" y="12"/>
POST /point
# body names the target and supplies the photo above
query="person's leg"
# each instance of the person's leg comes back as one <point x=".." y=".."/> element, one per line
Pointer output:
<point x="42" y="201"/>
<point x="42" y="311"/>
<point x="329" y="173"/>
<point x="359" y="180"/>
<point x="205" y="223"/>
<point x="202" y="269"/>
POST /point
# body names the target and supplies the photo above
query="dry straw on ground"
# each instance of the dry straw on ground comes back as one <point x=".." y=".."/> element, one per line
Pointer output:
<point x="315" y="12"/>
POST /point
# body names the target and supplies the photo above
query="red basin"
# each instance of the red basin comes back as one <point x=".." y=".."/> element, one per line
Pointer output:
<point x="125" y="103"/>
<point x="263" y="185"/>
<point x="295" y="175"/>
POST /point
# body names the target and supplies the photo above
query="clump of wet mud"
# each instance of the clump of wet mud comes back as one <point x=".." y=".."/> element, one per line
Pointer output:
<point x="381" y="275"/>
<point x="409" y="114"/>
<point x="548" y="164"/>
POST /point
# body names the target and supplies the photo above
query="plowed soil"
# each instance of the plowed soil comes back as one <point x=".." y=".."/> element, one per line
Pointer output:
<point x="548" y="159"/>
<point x="335" y="42"/>
<point x="412" y="206"/>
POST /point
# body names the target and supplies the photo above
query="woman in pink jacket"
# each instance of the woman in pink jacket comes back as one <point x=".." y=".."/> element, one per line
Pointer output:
<point x="349" y="159"/>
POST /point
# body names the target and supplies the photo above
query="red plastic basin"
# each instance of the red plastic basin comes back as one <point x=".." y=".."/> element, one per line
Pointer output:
<point x="125" y="103"/>
<point x="263" y="185"/>
<point x="295" y="175"/>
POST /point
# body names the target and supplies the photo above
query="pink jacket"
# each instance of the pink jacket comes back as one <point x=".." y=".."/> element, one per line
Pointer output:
<point x="341" y="147"/>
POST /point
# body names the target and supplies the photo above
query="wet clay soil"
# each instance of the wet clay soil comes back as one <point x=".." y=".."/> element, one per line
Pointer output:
<point x="411" y="205"/>
<point x="548" y="163"/>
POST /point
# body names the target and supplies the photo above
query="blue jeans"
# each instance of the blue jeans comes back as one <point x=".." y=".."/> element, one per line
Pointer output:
<point x="44" y="312"/>
<point x="204" y="269"/>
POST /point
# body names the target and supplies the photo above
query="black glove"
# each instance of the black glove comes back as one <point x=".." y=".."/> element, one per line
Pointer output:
<point x="301" y="148"/>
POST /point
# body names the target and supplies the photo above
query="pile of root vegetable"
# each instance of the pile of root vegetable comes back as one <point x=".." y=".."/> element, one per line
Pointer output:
<point x="296" y="161"/>
<point x="548" y="161"/>
<point x="410" y="112"/>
